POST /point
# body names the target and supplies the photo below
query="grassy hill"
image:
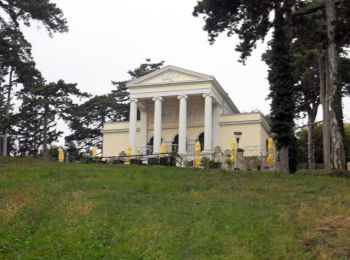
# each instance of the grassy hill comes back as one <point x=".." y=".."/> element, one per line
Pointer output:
<point x="92" y="211"/>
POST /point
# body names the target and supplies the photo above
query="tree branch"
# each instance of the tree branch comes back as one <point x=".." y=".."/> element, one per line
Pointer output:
<point x="313" y="9"/>
<point x="314" y="123"/>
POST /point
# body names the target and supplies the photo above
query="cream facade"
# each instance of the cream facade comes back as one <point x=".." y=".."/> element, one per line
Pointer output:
<point x="177" y="107"/>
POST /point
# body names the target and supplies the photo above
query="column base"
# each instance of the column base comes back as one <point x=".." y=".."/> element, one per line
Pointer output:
<point x="207" y="154"/>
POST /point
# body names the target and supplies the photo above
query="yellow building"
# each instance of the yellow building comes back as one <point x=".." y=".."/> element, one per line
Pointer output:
<point x="177" y="107"/>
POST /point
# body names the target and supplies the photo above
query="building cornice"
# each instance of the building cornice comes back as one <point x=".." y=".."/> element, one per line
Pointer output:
<point x="248" y="122"/>
<point x="169" y="67"/>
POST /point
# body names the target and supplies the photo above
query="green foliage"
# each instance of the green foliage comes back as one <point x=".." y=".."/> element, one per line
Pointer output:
<point x="344" y="74"/>
<point x="302" y="145"/>
<point x="293" y="156"/>
<point x="109" y="211"/>
<point x="26" y="11"/>
<point x="86" y="120"/>
<point x="347" y="140"/>
<point x="214" y="164"/>
<point x="42" y="104"/>
<point x="282" y="88"/>
<point x="250" y="20"/>
<point x="16" y="61"/>
<point x="205" y="162"/>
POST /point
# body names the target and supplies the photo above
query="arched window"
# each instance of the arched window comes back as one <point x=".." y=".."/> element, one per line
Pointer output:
<point x="150" y="145"/>
<point x="201" y="140"/>
<point x="175" y="144"/>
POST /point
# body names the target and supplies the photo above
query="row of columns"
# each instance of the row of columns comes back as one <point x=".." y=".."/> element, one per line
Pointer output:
<point x="157" y="135"/>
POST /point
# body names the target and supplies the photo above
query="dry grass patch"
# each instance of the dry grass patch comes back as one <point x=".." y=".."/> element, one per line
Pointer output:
<point x="329" y="235"/>
<point x="75" y="205"/>
<point x="13" y="205"/>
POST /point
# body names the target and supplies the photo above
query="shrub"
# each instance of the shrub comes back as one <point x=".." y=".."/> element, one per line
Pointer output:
<point x="205" y="161"/>
<point x="214" y="164"/>
<point x="188" y="163"/>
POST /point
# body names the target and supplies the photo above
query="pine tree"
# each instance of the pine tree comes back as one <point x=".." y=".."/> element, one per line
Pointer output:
<point x="42" y="104"/>
<point x="252" y="20"/>
<point x="16" y="68"/>
<point x="27" y="11"/>
<point x="16" y="62"/>
<point x="282" y="89"/>
<point x="87" y="119"/>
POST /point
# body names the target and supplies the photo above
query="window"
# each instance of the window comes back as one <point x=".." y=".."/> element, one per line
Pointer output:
<point x="201" y="140"/>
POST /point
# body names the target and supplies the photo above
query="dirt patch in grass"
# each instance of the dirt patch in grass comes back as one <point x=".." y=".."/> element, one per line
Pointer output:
<point x="74" y="205"/>
<point x="197" y="195"/>
<point x="14" y="205"/>
<point x="78" y="206"/>
<point x="335" y="223"/>
<point x="331" y="238"/>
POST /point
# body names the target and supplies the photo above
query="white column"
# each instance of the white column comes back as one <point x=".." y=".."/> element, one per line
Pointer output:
<point x="217" y="110"/>
<point x="132" y="125"/>
<point x="143" y="130"/>
<point x="182" y="124"/>
<point x="157" y="134"/>
<point x="208" y="123"/>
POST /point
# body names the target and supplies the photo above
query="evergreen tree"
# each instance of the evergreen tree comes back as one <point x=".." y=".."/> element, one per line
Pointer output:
<point x="252" y="20"/>
<point x="282" y="89"/>
<point x="16" y="62"/>
<point x="87" y="119"/>
<point x="16" y="68"/>
<point x="42" y="105"/>
<point x="26" y="11"/>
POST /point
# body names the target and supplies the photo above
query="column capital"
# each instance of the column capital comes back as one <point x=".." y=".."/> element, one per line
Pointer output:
<point x="182" y="97"/>
<point x="157" y="99"/>
<point x="133" y="100"/>
<point x="208" y="95"/>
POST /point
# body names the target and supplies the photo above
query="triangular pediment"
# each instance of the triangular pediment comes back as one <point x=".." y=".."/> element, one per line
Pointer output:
<point x="169" y="74"/>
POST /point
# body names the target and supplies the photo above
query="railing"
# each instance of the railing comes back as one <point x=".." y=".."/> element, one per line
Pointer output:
<point x="168" y="159"/>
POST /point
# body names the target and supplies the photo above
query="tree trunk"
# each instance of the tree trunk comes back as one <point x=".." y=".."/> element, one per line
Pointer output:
<point x="338" y="151"/>
<point x="284" y="159"/>
<point x="311" y="141"/>
<point x="7" y="112"/>
<point x="325" y="108"/>
<point x="45" y="130"/>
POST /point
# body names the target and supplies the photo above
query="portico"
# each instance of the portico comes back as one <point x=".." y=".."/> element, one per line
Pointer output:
<point x="177" y="107"/>
<point x="156" y="105"/>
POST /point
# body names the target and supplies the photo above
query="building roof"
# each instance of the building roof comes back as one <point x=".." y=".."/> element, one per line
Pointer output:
<point x="199" y="77"/>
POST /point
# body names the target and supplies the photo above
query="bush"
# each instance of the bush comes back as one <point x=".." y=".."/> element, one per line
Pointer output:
<point x="205" y="161"/>
<point x="339" y="173"/>
<point x="135" y="162"/>
<point x="164" y="161"/>
<point x="152" y="161"/>
<point x="188" y="163"/>
<point x="214" y="164"/>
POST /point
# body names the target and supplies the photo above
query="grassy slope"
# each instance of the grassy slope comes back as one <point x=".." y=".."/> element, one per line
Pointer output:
<point x="93" y="211"/>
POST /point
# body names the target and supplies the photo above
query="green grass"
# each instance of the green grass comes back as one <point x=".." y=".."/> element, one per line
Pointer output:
<point x="87" y="211"/>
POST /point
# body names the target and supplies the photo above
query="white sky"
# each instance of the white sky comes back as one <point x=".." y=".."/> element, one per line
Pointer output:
<point x="109" y="37"/>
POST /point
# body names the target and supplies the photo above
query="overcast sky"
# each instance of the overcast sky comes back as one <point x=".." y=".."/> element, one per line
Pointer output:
<point x="109" y="37"/>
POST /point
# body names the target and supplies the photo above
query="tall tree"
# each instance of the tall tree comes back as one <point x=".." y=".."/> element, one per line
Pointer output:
<point x="26" y="11"/>
<point x="43" y="103"/>
<point x="282" y="89"/>
<point x="17" y="67"/>
<point x="252" y="20"/>
<point x="15" y="50"/>
<point x="334" y="89"/>
<point x="87" y="119"/>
